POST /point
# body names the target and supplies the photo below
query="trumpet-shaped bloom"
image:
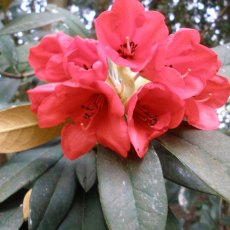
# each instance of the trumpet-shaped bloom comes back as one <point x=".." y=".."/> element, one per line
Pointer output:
<point x="59" y="57"/>
<point x="94" y="111"/>
<point x="182" y="60"/>
<point x="48" y="57"/>
<point x="86" y="60"/>
<point x="151" y="112"/>
<point x="200" y="110"/>
<point x="130" y="33"/>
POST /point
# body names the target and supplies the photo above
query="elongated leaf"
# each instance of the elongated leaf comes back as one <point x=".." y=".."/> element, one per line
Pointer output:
<point x="205" y="153"/>
<point x="24" y="167"/>
<point x="225" y="71"/>
<point x="86" y="170"/>
<point x="223" y="52"/>
<point x="11" y="218"/>
<point x="7" y="48"/>
<point x="72" y="21"/>
<point x="8" y="88"/>
<point x="23" y="52"/>
<point x="19" y="130"/>
<point x="172" y="222"/>
<point x="175" y="171"/>
<point x="31" y="21"/>
<point x="132" y="191"/>
<point x="86" y="212"/>
<point x="52" y="196"/>
<point x="3" y="63"/>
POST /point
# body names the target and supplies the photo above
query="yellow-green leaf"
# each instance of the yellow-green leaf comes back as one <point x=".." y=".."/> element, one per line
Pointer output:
<point x="19" y="130"/>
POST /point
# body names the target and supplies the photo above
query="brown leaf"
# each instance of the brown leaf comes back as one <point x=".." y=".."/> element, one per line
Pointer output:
<point x="5" y="4"/>
<point x="19" y="130"/>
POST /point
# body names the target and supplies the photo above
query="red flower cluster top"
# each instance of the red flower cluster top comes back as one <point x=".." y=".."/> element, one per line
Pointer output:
<point x="131" y="85"/>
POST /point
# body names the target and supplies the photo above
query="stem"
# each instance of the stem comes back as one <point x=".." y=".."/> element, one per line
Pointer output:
<point x="17" y="76"/>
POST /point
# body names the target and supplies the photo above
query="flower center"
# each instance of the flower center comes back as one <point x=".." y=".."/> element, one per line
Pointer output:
<point x="90" y="109"/>
<point x="127" y="49"/>
<point x="122" y="80"/>
<point x="149" y="118"/>
<point x="86" y="67"/>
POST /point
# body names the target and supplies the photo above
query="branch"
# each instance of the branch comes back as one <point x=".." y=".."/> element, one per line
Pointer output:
<point x="17" y="76"/>
<point x="224" y="11"/>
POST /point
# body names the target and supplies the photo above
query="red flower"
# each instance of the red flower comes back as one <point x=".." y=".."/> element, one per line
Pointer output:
<point x="151" y="112"/>
<point x="200" y="110"/>
<point x="86" y="60"/>
<point x="130" y="32"/>
<point x="182" y="60"/>
<point x="47" y="58"/>
<point x="95" y="112"/>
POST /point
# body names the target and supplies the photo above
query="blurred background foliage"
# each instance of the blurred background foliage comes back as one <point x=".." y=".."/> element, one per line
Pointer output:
<point x="194" y="210"/>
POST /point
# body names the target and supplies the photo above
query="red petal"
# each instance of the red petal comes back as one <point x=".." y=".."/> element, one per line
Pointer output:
<point x="201" y="116"/>
<point x="76" y="141"/>
<point x="112" y="130"/>
<point x="38" y="94"/>
<point x="46" y="57"/>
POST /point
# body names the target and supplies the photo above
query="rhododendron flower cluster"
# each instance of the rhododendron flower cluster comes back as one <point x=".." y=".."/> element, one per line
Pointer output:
<point x="129" y="86"/>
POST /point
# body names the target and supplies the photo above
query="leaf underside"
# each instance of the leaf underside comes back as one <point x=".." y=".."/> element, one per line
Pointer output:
<point x="132" y="192"/>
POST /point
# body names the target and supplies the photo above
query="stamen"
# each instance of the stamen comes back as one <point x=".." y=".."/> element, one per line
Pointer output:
<point x="146" y="116"/>
<point x="85" y="67"/>
<point x="187" y="73"/>
<point x="127" y="49"/>
<point x="128" y="44"/>
<point x="204" y="99"/>
<point x="89" y="110"/>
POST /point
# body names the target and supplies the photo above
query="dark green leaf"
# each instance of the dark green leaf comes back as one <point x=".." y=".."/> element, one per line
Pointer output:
<point x="8" y="88"/>
<point x="11" y="218"/>
<point x="72" y="21"/>
<point x="31" y="21"/>
<point x="86" y="170"/>
<point x="199" y="226"/>
<point x="172" y="222"/>
<point x="172" y="190"/>
<point x="3" y="63"/>
<point x="205" y="153"/>
<point x="23" y="52"/>
<point x="7" y="48"/>
<point x="174" y="170"/>
<point x="25" y="167"/>
<point x="52" y="196"/>
<point x="225" y="220"/>
<point x="85" y="213"/>
<point x="132" y="191"/>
